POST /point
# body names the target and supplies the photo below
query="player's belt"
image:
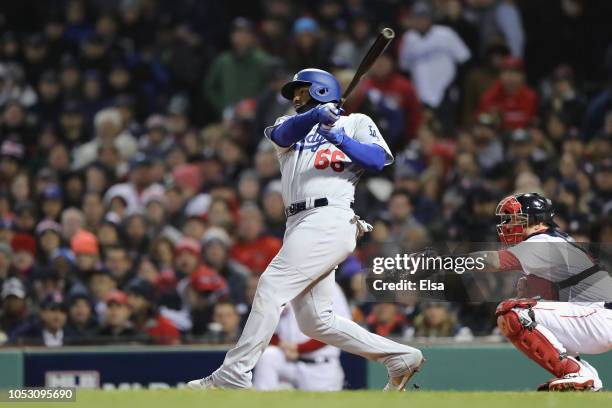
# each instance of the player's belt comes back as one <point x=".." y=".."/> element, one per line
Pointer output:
<point x="608" y="305"/>
<point x="318" y="360"/>
<point x="307" y="205"/>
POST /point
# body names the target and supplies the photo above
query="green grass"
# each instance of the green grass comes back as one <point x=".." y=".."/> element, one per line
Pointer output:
<point x="174" y="398"/>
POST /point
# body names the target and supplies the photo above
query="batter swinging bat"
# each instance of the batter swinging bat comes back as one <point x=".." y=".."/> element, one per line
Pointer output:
<point x="380" y="45"/>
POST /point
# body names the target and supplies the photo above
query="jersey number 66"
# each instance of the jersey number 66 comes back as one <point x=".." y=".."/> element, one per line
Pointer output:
<point x="325" y="158"/>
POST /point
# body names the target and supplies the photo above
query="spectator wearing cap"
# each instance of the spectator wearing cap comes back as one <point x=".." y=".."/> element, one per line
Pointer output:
<point x="563" y="99"/>
<point x="307" y="48"/>
<point x="254" y="248"/>
<point x="187" y="253"/>
<point x="480" y="78"/>
<point x="82" y="323"/>
<point x="100" y="283"/>
<point x="93" y="94"/>
<point x="489" y="146"/>
<point x="14" y="307"/>
<point x="216" y="244"/>
<point x="49" y="103"/>
<point x="139" y="186"/>
<point x="109" y="129"/>
<point x="119" y="264"/>
<point x="11" y="154"/>
<point x="472" y="221"/>
<point x="72" y="123"/>
<point x="46" y="281"/>
<point x="509" y="98"/>
<point x="85" y="247"/>
<point x="205" y="288"/>
<point x="393" y="100"/>
<point x="155" y="143"/>
<point x="238" y="73"/>
<point x="432" y="54"/>
<point x="52" y="202"/>
<point x="49" y="236"/>
<point x="274" y="209"/>
<point x="25" y="217"/>
<point x="145" y="314"/>
<point x="117" y="327"/>
<point x="49" y="329"/>
<point x="24" y="249"/>
<point x="408" y="178"/>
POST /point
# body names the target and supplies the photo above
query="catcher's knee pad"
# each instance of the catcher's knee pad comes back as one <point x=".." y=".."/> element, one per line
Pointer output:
<point x="521" y="330"/>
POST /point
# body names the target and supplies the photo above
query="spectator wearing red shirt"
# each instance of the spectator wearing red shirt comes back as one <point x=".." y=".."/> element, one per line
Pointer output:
<point x="386" y="320"/>
<point x="510" y="98"/>
<point x="392" y="99"/>
<point x="254" y="248"/>
<point x="145" y="316"/>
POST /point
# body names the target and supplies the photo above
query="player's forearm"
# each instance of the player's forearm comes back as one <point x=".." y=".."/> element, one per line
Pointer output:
<point x="293" y="129"/>
<point x="367" y="155"/>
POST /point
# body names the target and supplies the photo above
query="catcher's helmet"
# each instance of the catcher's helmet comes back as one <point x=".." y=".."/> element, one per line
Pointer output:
<point x="518" y="211"/>
<point x="324" y="87"/>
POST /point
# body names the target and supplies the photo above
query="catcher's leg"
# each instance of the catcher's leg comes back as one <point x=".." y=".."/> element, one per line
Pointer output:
<point x="516" y="320"/>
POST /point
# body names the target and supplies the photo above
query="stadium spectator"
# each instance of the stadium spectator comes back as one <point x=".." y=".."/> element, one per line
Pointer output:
<point x="145" y="317"/>
<point x="510" y="98"/>
<point x="117" y="327"/>
<point x="436" y="320"/>
<point x="432" y="54"/>
<point x="225" y="326"/>
<point x="239" y="73"/>
<point x="50" y="330"/>
<point x="254" y="248"/>
<point x="386" y="320"/>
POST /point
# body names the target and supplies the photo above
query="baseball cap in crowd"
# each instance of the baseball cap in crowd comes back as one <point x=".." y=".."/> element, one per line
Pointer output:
<point x="84" y="242"/>
<point x="53" y="301"/>
<point x="52" y="192"/>
<point x="520" y="136"/>
<point x="24" y="242"/>
<point x="421" y="9"/>
<point x="48" y="225"/>
<point x="117" y="296"/>
<point x="142" y="288"/>
<point x="139" y="160"/>
<point x="62" y="253"/>
<point x="512" y="63"/>
<point x="305" y="25"/>
<point x="189" y="245"/>
<point x="242" y="23"/>
<point x="13" y="287"/>
<point x="156" y="121"/>
<point x="216" y="234"/>
<point x="12" y="149"/>
<point x="206" y="280"/>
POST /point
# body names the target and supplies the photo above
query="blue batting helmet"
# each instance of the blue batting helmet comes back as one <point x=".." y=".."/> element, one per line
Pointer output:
<point x="324" y="87"/>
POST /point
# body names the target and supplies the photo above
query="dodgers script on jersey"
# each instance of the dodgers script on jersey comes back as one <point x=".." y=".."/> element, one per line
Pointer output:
<point x="555" y="258"/>
<point x="314" y="167"/>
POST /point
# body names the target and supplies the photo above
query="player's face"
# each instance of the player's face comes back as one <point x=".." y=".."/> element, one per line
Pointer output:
<point x="300" y="97"/>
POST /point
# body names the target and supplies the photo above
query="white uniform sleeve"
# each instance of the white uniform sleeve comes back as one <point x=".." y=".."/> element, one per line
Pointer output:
<point x="365" y="131"/>
<point x="268" y="133"/>
<point x="459" y="51"/>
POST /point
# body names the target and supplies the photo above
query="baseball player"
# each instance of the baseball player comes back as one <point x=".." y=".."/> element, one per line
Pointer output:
<point x="322" y="155"/>
<point x="577" y="318"/>
<point x="294" y="358"/>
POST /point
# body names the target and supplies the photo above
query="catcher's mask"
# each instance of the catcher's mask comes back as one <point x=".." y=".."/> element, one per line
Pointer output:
<point x="518" y="211"/>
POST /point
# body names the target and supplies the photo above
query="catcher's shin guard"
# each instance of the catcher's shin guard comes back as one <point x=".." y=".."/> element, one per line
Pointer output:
<point x="517" y="322"/>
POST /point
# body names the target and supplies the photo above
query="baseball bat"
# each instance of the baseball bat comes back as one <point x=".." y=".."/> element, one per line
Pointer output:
<point x="378" y="47"/>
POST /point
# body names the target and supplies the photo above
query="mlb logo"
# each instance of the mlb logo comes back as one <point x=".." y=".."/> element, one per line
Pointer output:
<point x="72" y="379"/>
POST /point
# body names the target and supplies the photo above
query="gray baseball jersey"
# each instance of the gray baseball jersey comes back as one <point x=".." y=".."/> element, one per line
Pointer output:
<point x="314" y="168"/>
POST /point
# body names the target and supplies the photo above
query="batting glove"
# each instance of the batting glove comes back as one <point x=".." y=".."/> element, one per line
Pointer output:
<point x="332" y="134"/>
<point x="327" y="114"/>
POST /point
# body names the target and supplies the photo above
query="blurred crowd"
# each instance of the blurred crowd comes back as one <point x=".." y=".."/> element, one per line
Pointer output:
<point x="139" y="201"/>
